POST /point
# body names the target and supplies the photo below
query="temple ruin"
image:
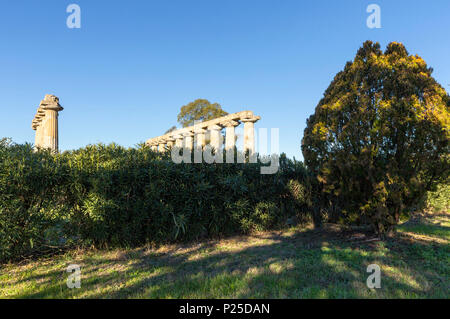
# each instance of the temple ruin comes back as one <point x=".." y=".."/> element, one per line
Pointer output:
<point x="45" y="123"/>
<point x="185" y="137"/>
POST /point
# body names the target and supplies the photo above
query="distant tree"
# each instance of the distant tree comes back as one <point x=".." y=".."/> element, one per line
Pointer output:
<point x="379" y="138"/>
<point x="173" y="128"/>
<point x="199" y="110"/>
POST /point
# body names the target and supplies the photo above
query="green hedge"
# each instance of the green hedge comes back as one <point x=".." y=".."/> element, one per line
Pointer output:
<point x="111" y="196"/>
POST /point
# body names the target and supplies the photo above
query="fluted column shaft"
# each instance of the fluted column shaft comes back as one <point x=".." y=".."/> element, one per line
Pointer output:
<point x="161" y="147"/>
<point x="200" y="137"/>
<point x="215" y="136"/>
<point x="189" y="140"/>
<point x="45" y="123"/>
<point x="171" y="142"/>
<point x="50" y="130"/>
<point x="230" y="136"/>
<point x="249" y="134"/>
<point x="178" y="141"/>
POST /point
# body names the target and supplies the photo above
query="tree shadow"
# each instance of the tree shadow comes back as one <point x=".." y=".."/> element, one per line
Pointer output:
<point x="326" y="263"/>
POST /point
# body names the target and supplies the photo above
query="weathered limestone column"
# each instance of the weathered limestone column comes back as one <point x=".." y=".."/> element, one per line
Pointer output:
<point x="200" y="135"/>
<point x="230" y="137"/>
<point x="215" y="136"/>
<point x="162" y="146"/>
<point x="170" y="142"/>
<point x="249" y="134"/>
<point x="189" y="140"/>
<point x="49" y="123"/>
<point x="178" y="140"/>
<point x="154" y="148"/>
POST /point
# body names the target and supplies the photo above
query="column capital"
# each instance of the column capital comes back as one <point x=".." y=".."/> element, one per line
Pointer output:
<point x="187" y="134"/>
<point x="177" y="136"/>
<point x="50" y="102"/>
<point x="229" y="123"/>
<point x="252" y="119"/>
<point x="199" y="130"/>
<point x="214" y="127"/>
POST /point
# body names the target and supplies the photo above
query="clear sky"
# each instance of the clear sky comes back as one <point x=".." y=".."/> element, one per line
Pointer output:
<point x="123" y="76"/>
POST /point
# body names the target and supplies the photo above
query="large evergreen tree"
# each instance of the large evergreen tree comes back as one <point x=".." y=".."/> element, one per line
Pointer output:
<point x="379" y="138"/>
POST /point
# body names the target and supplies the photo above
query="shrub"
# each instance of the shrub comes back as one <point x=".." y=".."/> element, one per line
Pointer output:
<point x="379" y="138"/>
<point x="111" y="196"/>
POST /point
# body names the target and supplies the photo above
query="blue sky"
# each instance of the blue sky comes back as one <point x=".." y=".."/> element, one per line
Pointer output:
<point x="125" y="74"/>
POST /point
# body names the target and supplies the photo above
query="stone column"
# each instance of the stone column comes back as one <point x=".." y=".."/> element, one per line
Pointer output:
<point x="154" y="147"/>
<point x="200" y="138"/>
<point x="189" y="140"/>
<point x="49" y="123"/>
<point x="230" y="137"/>
<point x="162" y="146"/>
<point x="178" y="140"/>
<point x="215" y="136"/>
<point x="249" y="133"/>
<point x="170" y="142"/>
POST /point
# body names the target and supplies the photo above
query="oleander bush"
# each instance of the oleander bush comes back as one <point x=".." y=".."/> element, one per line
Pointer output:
<point x="112" y="196"/>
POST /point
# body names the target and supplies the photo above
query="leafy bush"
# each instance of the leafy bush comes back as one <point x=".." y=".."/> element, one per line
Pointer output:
<point x="111" y="196"/>
<point x="438" y="200"/>
<point x="379" y="138"/>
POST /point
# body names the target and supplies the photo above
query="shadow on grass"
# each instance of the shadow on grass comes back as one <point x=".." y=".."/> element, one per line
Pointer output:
<point x="310" y="264"/>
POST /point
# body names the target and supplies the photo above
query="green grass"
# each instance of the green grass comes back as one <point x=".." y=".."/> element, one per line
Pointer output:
<point x="296" y="263"/>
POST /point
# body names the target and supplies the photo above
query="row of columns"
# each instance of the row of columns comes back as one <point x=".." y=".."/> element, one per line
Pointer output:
<point x="45" y="123"/>
<point x="185" y="137"/>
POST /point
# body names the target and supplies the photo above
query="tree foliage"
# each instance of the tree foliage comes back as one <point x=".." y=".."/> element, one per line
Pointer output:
<point x="379" y="138"/>
<point x="199" y="110"/>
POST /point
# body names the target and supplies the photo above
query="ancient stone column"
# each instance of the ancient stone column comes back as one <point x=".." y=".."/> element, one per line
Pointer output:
<point x="162" y="146"/>
<point x="189" y="140"/>
<point x="230" y="137"/>
<point x="249" y="133"/>
<point x="40" y="128"/>
<point x="49" y="123"/>
<point x="154" y="148"/>
<point x="170" y="142"/>
<point x="215" y="136"/>
<point x="178" y="140"/>
<point x="200" y="138"/>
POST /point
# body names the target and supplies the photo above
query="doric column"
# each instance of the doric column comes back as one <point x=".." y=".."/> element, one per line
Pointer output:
<point x="200" y="137"/>
<point x="170" y="142"/>
<point x="230" y="137"/>
<point x="49" y="123"/>
<point x="162" y="146"/>
<point x="154" y="147"/>
<point x="178" y="140"/>
<point x="249" y="133"/>
<point x="189" y="140"/>
<point x="215" y="136"/>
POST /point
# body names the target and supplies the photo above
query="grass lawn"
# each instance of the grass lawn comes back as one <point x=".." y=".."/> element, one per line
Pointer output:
<point x="295" y="263"/>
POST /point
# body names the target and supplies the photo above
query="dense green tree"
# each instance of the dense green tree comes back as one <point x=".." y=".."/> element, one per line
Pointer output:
<point x="379" y="138"/>
<point x="199" y="110"/>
